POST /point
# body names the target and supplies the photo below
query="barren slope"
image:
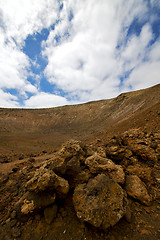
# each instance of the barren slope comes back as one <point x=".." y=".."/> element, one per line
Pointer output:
<point x="22" y="129"/>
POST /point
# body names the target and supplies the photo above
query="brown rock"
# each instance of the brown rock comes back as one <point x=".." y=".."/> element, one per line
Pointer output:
<point x="73" y="166"/>
<point x="72" y="148"/>
<point x="118" y="153"/>
<point x="83" y="176"/>
<point x="100" y="202"/>
<point x="68" y="159"/>
<point x="56" y="164"/>
<point x="136" y="189"/>
<point x="143" y="172"/>
<point x="50" y="213"/>
<point x="98" y="164"/>
<point x="45" y="179"/>
<point x="144" y="153"/>
<point x="33" y="202"/>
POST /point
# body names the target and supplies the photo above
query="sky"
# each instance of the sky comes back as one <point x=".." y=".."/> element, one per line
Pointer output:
<point x="62" y="52"/>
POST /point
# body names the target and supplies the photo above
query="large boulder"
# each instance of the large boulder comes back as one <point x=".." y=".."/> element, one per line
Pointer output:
<point x="98" y="164"/>
<point x="100" y="202"/>
<point x="46" y="180"/>
<point x="136" y="189"/>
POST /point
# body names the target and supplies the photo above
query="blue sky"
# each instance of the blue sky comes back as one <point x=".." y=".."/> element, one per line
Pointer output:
<point x="60" y="52"/>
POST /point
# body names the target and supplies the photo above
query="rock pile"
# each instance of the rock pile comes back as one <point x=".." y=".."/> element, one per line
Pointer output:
<point x="101" y="180"/>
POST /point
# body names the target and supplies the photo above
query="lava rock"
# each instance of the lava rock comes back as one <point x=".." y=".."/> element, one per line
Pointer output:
<point x="144" y="153"/>
<point x="136" y="189"/>
<point x="100" y="202"/>
<point x="45" y="179"/>
<point x="34" y="202"/>
<point x="98" y="164"/>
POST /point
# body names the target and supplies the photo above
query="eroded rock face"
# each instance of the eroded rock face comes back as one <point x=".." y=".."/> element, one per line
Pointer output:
<point x="46" y="180"/>
<point x="100" y="202"/>
<point x="98" y="164"/>
<point x="136" y="189"/>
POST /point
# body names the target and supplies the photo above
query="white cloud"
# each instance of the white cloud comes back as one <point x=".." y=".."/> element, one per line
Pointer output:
<point x="44" y="100"/>
<point x="13" y="68"/>
<point x="136" y="49"/>
<point x="23" y="17"/>
<point x="7" y="100"/>
<point x="18" y="19"/>
<point x="85" y="61"/>
<point x="145" y="75"/>
<point x="87" y="64"/>
<point x="154" y="54"/>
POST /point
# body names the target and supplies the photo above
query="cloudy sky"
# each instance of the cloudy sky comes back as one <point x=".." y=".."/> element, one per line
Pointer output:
<point x="58" y="52"/>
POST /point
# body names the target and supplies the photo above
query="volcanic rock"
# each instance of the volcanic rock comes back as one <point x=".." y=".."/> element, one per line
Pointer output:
<point x="143" y="172"/>
<point x="45" y="179"/>
<point x="98" y="164"/>
<point x="136" y="189"/>
<point x="34" y="202"/>
<point x="144" y="153"/>
<point x="72" y="148"/>
<point x="100" y="202"/>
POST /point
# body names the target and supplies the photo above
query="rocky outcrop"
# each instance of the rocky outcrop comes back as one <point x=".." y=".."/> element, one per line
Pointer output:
<point x="100" y="202"/>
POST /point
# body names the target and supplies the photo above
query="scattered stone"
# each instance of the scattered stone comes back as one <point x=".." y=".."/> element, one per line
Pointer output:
<point x="100" y="202"/>
<point x="136" y="189"/>
<point x="128" y="214"/>
<point x="50" y="213"/>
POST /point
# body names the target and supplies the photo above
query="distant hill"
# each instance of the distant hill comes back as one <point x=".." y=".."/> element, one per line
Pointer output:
<point x="21" y="129"/>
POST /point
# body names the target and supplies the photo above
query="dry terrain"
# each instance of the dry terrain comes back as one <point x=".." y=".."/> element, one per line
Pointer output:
<point x="104" y="184"/>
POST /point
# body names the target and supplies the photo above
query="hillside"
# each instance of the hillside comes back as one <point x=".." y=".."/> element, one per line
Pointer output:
<point x="23" y="129"/>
